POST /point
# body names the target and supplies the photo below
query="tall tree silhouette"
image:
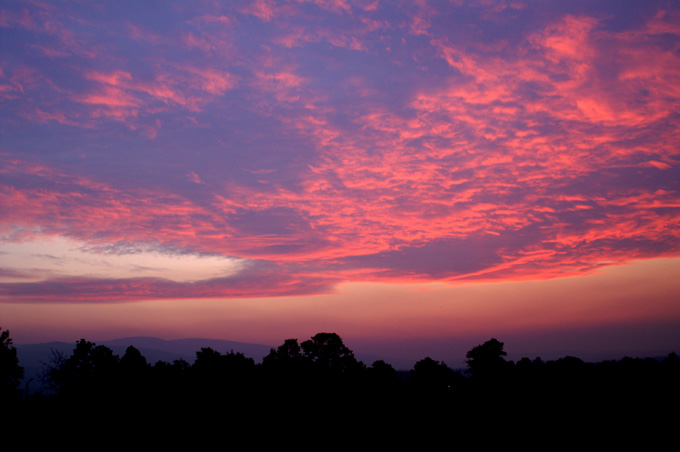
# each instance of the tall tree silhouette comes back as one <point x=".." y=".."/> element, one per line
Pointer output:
<point x="11" y="372"/>
<point x="135" y="374"/>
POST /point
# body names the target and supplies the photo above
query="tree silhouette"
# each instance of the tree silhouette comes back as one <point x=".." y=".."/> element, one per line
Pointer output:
<point x="222" y="376"/>
<point x="486" y="360"/>
<point x="171" y="383"/>
<point x="384" y="373"/>
<point x="209" y="361"/>
<point x="89" y="372"/>
<point x="381" y="381"/>
<point x="133" y="361"/>
<point x="287" y="355"/>
<point x="11" y="372"/>
<point x="432" y="376"/>
<point x="500" y="405"/>
<point x="327" y="352"/>
<point x="135" y="373"/>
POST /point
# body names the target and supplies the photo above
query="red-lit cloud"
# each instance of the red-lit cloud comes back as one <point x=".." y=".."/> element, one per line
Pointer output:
<point x="325" y="141"/>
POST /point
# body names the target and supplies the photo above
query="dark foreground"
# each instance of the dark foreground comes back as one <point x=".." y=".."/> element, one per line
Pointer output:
<point x="317" y="395"/>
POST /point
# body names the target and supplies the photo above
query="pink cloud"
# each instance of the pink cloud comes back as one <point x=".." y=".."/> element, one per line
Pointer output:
<point x="111" y="96"/>
<point x="219" y="19"/>
<point x="59" y="117"/>
<point x="335" y="6"/>
<point x="263" y="9"/>
<point x="213" y="81"/>
<point x="118" y="95"/>
<point x="520" y="148"/>
<point x="257" y="283"/>
<point x="21" y="18"/>
<point x="192" y="41"/>
<point x="299" y="36"/>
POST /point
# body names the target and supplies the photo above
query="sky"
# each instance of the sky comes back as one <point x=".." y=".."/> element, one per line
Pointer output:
<point x="416" y="176"/>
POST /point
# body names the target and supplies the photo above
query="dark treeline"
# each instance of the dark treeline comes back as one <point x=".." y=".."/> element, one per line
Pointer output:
<point x="493" y="401"/>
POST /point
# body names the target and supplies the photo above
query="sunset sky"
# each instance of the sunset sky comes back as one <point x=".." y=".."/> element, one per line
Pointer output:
<point x="415" y="176"/>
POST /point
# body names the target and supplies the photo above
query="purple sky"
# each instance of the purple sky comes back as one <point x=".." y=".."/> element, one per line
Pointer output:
<point x="183" y="156"/>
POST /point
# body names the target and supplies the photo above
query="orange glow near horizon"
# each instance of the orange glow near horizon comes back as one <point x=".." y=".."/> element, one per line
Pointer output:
<point x="373" y="315"/>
